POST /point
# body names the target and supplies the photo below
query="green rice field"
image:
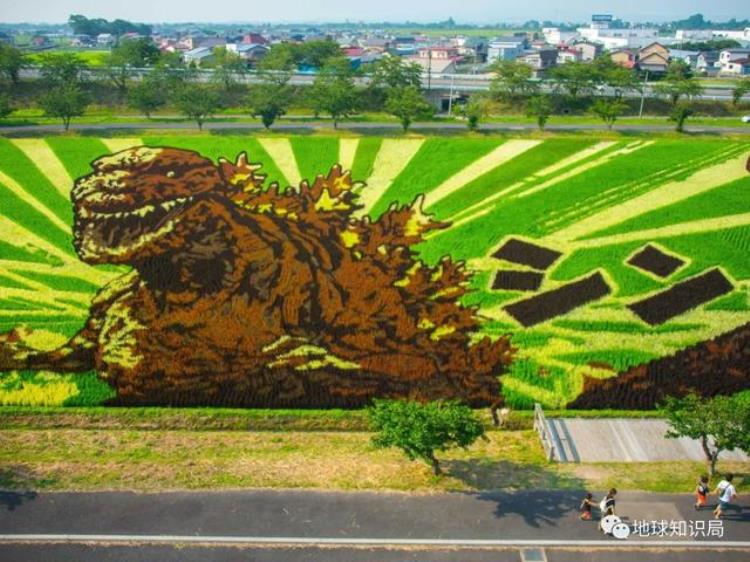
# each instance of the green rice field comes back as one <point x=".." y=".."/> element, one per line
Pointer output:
<point x="597" y="202"/>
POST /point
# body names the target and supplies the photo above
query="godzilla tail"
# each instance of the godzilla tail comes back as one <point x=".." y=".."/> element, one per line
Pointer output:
<point x="16" y="354"/>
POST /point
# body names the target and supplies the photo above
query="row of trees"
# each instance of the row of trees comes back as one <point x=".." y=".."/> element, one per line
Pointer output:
<point x="395" y="85"/>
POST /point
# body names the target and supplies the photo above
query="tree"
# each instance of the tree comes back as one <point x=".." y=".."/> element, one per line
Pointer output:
<point x="574" y="78"/>
<point x="741" y="89"/>
<point x="65" y="101"/>
<point x="608" y="110"/>
<point x="395" y="72"/>
<point x="720" y="424"/>
<point x="11" y="62"/>
<point x="198" y="102"/>
<point x="269" y="101"/>
<point x="148" y="95"/>
<point x="540" y="107"/>
<point x="227" y="67"/>
<point x="512" y="80"/>
<point x="5" y="106"/>
<point x="61" y="68"/>
<point x="333" y="90"/>
<point x="477" y="108"/>
<point x="316" y="53"/>
<point x="678" y="83"/>
<point x="421" y="430"/>
<point x="679" y="115"/>
<point x="407" y="104"/>
<point x="605" y="72"/>
<point x="127" y="55"/>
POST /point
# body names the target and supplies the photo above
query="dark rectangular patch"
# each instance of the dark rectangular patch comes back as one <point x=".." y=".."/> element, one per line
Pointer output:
<point x="556" y="302"/>
<point x="511" y="280"/>
<point x="681" y="297"/>
<point x="518" y="251"/>
<point x="653" y="260"/>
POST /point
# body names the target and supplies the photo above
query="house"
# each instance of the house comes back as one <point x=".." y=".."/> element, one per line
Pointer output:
<point x="254" y="39"/>
<point x="554" y="36"/>
<point x="589" y="51"/>
<point x="729" y="55"/>
<point x="539" y="60"/>
<point x="653" y="58"/>
<point x="210" y="42"/>
<point x="736" y="67"/>
<point x="201" y="55"/>
<point x="248" y="51"/>
<point x="707" y="62"/>
<point x="438" y="52"/>
<point x="624" y="57"/>
<point x="105" y="39"/>
<point x="435" y="66"/>
<point x="506" y="48"/>
<point x="82" y="41"/>
<point x="568" y="54"/>
<point x="688" y="57"/>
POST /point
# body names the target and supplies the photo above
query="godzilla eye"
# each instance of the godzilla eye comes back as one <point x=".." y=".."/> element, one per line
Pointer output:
<point x="170" y="174"/>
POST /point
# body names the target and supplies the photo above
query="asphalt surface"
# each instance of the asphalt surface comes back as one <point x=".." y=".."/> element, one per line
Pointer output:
<point x="366" y="126"/>
<point x="306" y="525"/>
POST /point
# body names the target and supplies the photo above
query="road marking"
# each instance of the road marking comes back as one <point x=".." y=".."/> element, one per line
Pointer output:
<point x="214" y="539"/>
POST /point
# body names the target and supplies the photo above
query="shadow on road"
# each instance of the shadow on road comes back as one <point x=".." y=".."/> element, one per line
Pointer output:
<point x="11" y="500"/>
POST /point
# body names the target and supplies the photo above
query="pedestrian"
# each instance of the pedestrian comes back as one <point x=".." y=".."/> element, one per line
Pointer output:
<point x="726" y="493"/>
<point x="586" y="506"/>
<point x="701" y="492"/>
<point x="607" y="508"/>
<point x="607" y="505"/>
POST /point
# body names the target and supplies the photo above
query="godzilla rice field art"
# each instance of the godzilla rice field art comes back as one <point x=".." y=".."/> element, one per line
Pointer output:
<point x="583" y="272"/>
<point x="240" y="294"/>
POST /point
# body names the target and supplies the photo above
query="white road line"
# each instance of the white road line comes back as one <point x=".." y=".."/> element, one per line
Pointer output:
<point x="52" y="538"/>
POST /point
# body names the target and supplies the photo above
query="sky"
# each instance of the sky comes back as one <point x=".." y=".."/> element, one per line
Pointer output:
<point x="476" y="11"/>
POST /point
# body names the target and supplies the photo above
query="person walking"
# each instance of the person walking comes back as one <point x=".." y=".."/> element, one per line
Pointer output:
<point x="726" y="493"/>
<point x="701" y="492"/>
<point x="587" y="506"/>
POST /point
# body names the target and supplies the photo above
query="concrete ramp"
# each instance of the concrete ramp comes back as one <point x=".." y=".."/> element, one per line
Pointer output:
<point x="623" y="440"/>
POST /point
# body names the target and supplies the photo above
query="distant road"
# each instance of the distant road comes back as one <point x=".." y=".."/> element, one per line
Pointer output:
<point x="442" y="83"/>
<point x="366" y="126"/>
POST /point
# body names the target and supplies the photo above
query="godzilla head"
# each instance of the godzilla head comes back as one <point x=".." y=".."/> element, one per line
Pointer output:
<point x="130" y="206"/>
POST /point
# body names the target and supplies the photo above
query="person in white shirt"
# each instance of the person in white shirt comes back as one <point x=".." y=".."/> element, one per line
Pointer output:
<point x="726" y="492"/>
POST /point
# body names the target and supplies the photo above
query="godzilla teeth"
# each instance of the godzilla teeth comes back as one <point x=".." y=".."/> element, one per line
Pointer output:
<point x="141" y="212"/>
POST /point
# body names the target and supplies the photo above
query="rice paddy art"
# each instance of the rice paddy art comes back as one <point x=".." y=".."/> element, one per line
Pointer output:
<point x="595" y="258"/>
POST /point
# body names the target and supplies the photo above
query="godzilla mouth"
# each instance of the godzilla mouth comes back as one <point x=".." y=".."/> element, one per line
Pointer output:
<point x="118" y="235"/>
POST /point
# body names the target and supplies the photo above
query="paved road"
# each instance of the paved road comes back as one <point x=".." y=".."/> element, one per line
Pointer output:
<point x="304" y="525"/>
<point x="367" y="126"/>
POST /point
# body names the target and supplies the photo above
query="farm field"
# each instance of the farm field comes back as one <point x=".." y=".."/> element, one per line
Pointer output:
<point x="581" y="246"/>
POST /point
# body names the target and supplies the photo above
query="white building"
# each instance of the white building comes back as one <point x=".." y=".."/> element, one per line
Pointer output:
<point x="599" y="31"/>
<point x="554" y="36"/>
<point x="505" y="48"/>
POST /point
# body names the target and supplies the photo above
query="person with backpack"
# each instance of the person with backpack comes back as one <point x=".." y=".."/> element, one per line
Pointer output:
<point x="586" y="507"/>
<point x="726" y="493"/>
<point x="701" y="492"/>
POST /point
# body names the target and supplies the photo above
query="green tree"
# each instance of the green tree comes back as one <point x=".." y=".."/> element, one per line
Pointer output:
<point x="421" y="430"/>
<point x="605" y="72"/>
<point x="680" y="114"/>
<point x="720" y="424"/>
<point x="11" y="62"/>
<point x="269" y="101"/>
<point x="64" y="101"/>
<point x="228" y="67"/>
<point x="127" y="55"/>
<point x="148" y="95"/>
<point x="408" y="105"/>
<point x="395" y="72"/>
<point x="477" y="108"/>
<point x="61" y="68"/>
<point x="198" y="102"/>
<point x="333" y="90"/>
<point x="539" y="107"/>
<point x="574" y="78"/>
<point x="678" y="83"/>
<point x="608" y="110"/>
<point x="5" y="106"/>
<point x="512" y="80"/>
<point x="741" y="89"/>
<point x="316" y="53"/>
